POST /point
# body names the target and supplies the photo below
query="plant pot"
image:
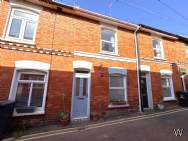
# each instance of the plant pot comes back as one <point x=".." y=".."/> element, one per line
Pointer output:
<point x="95" y="116"/>
<point x="64" y="122"/>
<point x="161" y="106"/>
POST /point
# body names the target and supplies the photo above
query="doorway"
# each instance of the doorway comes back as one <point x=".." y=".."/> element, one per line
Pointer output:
<point x="146" y="92"/>
<point x="81" y="96"/>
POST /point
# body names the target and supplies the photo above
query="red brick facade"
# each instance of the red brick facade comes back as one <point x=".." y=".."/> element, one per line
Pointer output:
<point x="61" y="31"/>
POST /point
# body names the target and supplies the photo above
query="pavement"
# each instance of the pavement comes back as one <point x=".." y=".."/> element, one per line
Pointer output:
<point x="151" y="127"/>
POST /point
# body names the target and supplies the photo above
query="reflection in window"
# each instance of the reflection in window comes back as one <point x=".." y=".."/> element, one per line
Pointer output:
<point x="22" y="25"/>
<point x="108" y="40"/>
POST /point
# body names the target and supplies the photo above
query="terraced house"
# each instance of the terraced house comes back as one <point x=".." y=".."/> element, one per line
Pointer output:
<point x="55" y="57"/>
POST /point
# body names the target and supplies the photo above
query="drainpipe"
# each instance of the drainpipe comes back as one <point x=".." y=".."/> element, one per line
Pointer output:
<point x="138" y="68"/>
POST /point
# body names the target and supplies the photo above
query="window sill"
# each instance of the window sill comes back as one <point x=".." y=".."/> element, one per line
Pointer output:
<point x="118" y="106"/>
<point x="15" y="114"/>
<point x="159" y="58"/>
<point x="169" y="99"/>
<point x="17" y="41"/>
<point x="108" y="53"/>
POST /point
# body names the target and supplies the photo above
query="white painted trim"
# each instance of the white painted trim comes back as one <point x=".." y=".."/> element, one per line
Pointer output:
<point x="104" y="56"/>
<point x="38" y="112"/>
<point x="166" y="72"/>
<point x="169" y="98"/>
<point x="118" y="106"/>
<point x="35" y="65"/>
<point x="82" y="64"/>
<point x="183" y="82"/>
<point x="145" y="68"/>
<point x="157" y="61"/>
<point x="17" y="41"/>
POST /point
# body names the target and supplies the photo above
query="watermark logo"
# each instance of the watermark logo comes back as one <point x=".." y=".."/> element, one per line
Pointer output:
<point x="178" y="132"/>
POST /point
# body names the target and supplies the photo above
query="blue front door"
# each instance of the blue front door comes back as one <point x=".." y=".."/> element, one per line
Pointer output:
<point x="81" y="93"/>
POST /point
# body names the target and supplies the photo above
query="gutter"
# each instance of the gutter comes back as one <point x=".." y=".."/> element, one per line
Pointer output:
<point x="93" y="15"/>
<point x="138" y="67"/>
<point x="158" y="32"/>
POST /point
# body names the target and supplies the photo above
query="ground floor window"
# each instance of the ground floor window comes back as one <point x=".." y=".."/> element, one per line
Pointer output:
<point x="29" y="87"/>
<point x="167" y="88"/>
<point x="117" y="89"/>
<point x="30" y="91"/>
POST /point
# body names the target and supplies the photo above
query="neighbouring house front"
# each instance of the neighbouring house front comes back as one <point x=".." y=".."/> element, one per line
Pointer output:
<point x="55" y="58"/>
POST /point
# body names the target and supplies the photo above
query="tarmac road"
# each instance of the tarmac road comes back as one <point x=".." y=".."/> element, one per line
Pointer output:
<point x="159" y="128"/>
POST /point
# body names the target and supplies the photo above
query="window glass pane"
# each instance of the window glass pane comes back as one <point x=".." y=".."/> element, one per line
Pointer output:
<point x="85" y="83"/>
<point x="25" y="15"/>
<point x="29" y="31"/>
<point x="77" y="87"/>
<point x="22" y="94"/>
<point x="117" y="94"/>
<point x="37" y="95"/>
<point x="155" y="43"/>
<point x="38" y="77"/>
<point x="166" y="87"/>
<point x="157" y="48"/>
<point x="108" y="35"/>
<point x="117" y="81"/>
<point x="106" y="46"/>
<point x="15" y="28"/>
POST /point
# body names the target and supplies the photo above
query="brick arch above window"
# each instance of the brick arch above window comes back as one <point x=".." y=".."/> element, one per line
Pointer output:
<point x="82" y="64"/>
<point x="166" y="72"/>
<point x="33" y="65"/>
<point x="117" y="70"/>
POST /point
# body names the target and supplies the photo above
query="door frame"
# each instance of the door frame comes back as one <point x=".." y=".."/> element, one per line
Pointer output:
<point x="83" y="75"/>
<point x="147" y="75"/>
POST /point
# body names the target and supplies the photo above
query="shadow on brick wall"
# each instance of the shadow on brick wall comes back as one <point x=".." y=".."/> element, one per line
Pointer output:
<point x="60" y="83"/>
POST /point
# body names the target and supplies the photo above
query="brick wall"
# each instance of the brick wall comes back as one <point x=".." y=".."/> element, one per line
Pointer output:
<point x="72" y="33"/>
<point x="67" y="32"/>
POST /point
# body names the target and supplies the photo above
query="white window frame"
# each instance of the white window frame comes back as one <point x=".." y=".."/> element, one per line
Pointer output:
<point x="183" y="82"/>
<point x="122" y="72"/>
<point x="119" y="88"/>
<point x="161" y="48"/>
<point x="29" y="67"/>
<point x="114" y="29"/>
<point x="23" y="25"/>
<point x="172" y="97"/>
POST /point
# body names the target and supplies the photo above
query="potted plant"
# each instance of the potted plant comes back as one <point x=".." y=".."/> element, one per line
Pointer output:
<point x="95" y="116"/>
<point x="64" y="118"/>
<point x="160" y="105"/>
<point x="117" y="102"/>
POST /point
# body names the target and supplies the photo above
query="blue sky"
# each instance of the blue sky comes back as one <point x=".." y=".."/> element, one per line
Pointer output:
<point x="148" y="12"/>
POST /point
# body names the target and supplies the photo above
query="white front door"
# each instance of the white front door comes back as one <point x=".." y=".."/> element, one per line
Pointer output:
<point x="81" y="96"/>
